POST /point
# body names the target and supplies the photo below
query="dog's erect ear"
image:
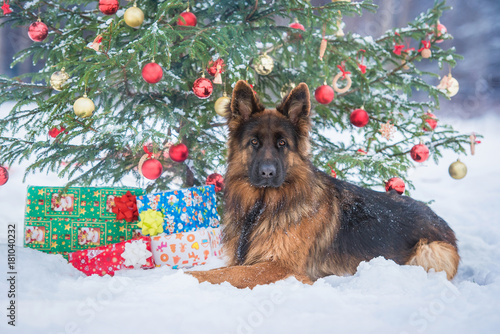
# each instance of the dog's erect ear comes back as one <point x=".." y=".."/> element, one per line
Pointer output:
<point x="244" y="102"/>
<point x="297" y="105"/>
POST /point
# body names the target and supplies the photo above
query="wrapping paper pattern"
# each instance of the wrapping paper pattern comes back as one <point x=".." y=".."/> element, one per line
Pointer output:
<point x="106" y="260"/>
<point x="80" y="218"/>
<point x="184" y="250"/>
<point x="184" y="210"/>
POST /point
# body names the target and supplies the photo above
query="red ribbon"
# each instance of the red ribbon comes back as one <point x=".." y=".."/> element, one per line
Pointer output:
<point x="126" y="207"/>
<point x="342" y="69"/>
<point x="426" y="45"/>
<point x="150" y="154"/>
<point x="398" y="48"/>
<point x="362" y="67"/>
<point x="476" y="141"/>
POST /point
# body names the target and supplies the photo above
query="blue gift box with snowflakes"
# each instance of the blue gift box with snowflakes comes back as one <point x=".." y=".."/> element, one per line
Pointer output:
<point x="184" y="210"/>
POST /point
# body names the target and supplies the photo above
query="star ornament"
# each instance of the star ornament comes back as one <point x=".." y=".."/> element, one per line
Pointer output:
<point x="136" y="254"/>
<point x="6" y="8"/>
<point x="387" y="130"/>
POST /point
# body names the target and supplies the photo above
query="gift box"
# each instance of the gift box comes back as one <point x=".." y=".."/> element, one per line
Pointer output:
<point x="184" y="250"/>
<point x="106" y="260"/>
<point x="76" y="219"/>
<point x="183" y="210"/>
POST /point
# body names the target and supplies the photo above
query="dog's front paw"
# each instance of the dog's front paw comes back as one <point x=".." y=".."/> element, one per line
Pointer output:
<point x="215" y="276"/>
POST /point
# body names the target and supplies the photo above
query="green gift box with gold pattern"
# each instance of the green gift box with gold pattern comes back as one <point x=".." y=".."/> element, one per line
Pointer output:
<point x="76" y="219"/>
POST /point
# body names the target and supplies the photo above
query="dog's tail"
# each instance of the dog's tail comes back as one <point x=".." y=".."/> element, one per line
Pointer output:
<point x="439" y="255"/>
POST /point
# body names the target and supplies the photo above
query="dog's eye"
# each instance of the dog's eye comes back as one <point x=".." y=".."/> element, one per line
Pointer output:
<point x="254" y="142"/>
<point x="281" y="143"/>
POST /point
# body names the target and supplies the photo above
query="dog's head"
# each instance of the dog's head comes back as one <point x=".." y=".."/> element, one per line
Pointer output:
<point x="267" y="147"/>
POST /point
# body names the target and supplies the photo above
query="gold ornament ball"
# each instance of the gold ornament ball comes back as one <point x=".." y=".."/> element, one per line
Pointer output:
<point x="264" y="64"/>
<point x="84" y="107"/>
<point x="221" y="105"/>
<point x="452" y="87"/>
<point x="426" y="53"/>
<point x="58" y="79"/>
<point x="134" y="17"/>
<point x="458" y="170"/>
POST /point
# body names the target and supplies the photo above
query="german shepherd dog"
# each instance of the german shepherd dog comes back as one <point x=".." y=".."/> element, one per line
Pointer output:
<point x="284" y="217"/>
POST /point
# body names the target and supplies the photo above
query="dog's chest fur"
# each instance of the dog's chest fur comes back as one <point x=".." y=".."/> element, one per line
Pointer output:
<point x="286" y="231"/>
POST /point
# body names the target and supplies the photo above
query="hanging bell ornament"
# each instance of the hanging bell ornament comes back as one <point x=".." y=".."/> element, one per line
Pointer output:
<point x="84" y="107"/>
<point x="457" y="170"/>
<point x="221" y="105"/>
<point x="264" y="64"/>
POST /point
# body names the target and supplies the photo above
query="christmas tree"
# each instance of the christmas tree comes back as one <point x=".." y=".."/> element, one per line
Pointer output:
<point x="131" y="81"/>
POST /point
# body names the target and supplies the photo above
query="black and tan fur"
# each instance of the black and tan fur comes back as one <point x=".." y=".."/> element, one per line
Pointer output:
<point x="284" y="217"/>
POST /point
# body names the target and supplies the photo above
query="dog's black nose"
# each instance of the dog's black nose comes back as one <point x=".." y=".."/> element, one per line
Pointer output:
<point x="267" y="170"/>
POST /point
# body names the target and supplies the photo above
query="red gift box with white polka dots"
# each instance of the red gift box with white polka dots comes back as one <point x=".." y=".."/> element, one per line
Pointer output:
<point x="105" y="260"/>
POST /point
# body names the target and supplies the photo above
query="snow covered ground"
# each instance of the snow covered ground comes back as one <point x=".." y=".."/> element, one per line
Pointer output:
<point x="53" y="297"/>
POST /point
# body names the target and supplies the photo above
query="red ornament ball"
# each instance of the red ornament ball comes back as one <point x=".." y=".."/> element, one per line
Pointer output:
<point x="297" y="25"/>
<point x="187" y="19"/>
<point x="203" y="88"/>
<point x="108" y="7"/>
<point x="359" y="118"/>
<point x="151" y="169"/>
<point x="419" y="153"/>
<point x="54" y="132"/>
<point x="217" y="180"/>
<point x="178" y="152"/>
<point x="212" y="66"/>
<point x="38" y="31"/>
<point x="396" y="184"/>
<point x="431" y="121"/>
<point x="152" y="73"/>
<point x="4" y="175"/>
<point x="324" y="94"/>
<point x="441" y="29"/>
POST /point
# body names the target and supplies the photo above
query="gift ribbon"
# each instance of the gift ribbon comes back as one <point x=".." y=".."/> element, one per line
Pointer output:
<point x="136" y="254"/>
<point x="151" y="222"/>
<point x="341" y="67"/>
<point x="126" y="207"/>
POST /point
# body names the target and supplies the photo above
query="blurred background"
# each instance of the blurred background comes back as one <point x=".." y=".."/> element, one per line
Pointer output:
<point x="474" y="25"/>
